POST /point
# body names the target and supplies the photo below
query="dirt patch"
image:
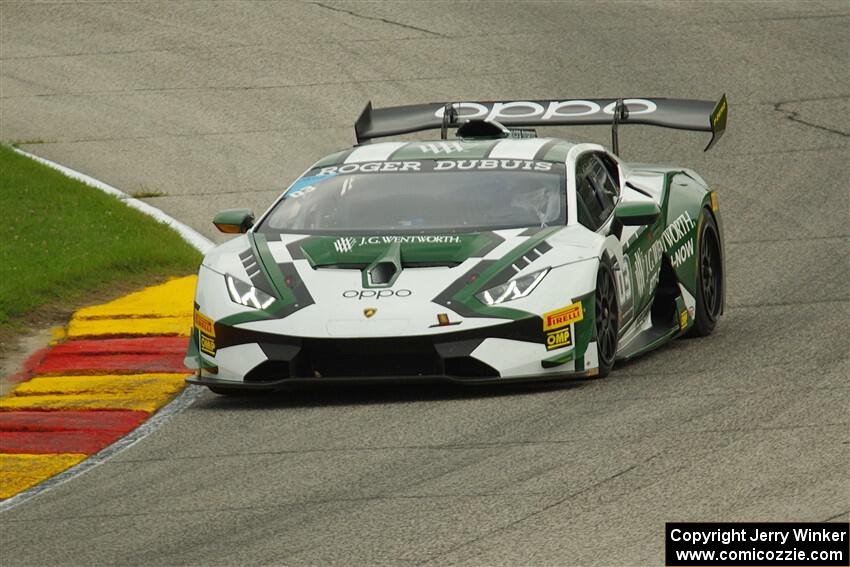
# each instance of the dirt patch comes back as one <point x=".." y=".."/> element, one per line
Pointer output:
<point x="23" y="347"/>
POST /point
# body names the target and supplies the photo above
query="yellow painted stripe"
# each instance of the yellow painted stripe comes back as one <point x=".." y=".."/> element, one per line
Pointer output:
<point x="19" y="472"/>
<point x="171" y="299"/>
<point x="57" y="335"/>
<point x="180" y="326"/>
<point x="145" y="392"/>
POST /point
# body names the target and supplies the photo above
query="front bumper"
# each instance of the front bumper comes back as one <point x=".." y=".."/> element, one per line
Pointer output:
<point x="506" y="352"/>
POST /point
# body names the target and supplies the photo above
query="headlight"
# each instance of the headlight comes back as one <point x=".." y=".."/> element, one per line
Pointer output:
<point x="246" y="294"/>
<point x="514" y="289"/>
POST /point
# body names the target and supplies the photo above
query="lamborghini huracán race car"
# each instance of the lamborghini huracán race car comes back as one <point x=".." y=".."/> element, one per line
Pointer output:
<point x="490" y="257"/>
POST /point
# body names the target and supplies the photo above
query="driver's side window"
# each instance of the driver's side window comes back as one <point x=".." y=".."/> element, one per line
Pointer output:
<point x="596" y="191"/>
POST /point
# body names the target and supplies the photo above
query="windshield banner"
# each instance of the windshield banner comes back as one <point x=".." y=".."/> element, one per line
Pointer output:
<point x="437" y="165"/>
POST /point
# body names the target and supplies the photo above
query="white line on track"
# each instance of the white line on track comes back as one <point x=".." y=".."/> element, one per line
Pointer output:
<point x="165" y="413"/>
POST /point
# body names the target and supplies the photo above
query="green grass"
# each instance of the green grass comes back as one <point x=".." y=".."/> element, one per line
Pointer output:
<point x="61" y="241"/>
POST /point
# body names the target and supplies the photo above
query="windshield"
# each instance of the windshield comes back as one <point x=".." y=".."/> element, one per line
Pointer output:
<point x="422" y="196"/>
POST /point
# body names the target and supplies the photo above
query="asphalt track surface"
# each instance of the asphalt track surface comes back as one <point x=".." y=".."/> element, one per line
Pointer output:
<point x="221" y="105"/>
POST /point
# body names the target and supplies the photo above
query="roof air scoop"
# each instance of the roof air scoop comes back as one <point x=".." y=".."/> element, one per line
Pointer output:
<point x="482" y="129"/>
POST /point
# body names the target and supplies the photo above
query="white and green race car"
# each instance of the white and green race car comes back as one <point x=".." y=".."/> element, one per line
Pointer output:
<point x="491" y="257"/>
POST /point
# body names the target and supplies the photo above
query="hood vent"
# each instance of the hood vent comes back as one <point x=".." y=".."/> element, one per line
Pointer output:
<point x="404" y="265"/>
<point x="382" y="273"/>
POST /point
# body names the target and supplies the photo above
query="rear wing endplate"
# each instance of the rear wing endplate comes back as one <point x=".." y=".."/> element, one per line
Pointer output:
<point x="682" y="114"/>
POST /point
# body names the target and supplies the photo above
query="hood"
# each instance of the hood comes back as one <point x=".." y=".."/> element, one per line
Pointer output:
<point x="406" y="250"/>
<point x="324" y="283"/>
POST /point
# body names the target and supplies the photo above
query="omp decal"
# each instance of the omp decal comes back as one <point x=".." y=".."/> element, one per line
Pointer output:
<point x="374" y="152"/>
<point x="572" y="313"/>
<point x="683" y="319"/>
<point x="206" y="344"/>
<point x="204" y="323"/>
<point x="517" y="149"/>
<point x="559" y="339"/>
<point x="714" y="205"/>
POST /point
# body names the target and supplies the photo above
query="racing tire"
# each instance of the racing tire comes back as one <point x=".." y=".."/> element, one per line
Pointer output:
<point x="607" y="321"/>
<point x="709" y="279"/>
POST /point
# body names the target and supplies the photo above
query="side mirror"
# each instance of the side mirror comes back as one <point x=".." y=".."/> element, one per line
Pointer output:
<point x="234" y="221"/>
<point x="637" y="214"/>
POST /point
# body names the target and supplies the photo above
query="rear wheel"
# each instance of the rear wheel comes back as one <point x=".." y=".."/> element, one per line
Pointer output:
<point x="709" y="279"/>
<point x="607" y="318"/>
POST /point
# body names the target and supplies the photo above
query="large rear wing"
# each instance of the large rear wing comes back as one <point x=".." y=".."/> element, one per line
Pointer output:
<point x="682" y="114"/>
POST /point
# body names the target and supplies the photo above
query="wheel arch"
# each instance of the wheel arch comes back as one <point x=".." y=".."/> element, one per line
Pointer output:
<point x="688" y="199"/>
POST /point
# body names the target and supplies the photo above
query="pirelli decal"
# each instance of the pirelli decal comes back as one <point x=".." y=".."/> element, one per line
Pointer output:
<point x="206" y="333"/>
<point x="563" y="317"/>
<point x="204" y="324"/>
<point x="557" y="325"/>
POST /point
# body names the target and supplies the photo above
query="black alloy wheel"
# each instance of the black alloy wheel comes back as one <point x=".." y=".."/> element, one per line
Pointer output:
<point x="709" y="279"/>
<point x="607" y="318"/>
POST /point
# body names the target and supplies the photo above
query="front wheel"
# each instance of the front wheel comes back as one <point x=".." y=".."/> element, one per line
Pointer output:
<point x="709" y="279"/>
<point x="607" y="318"/>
